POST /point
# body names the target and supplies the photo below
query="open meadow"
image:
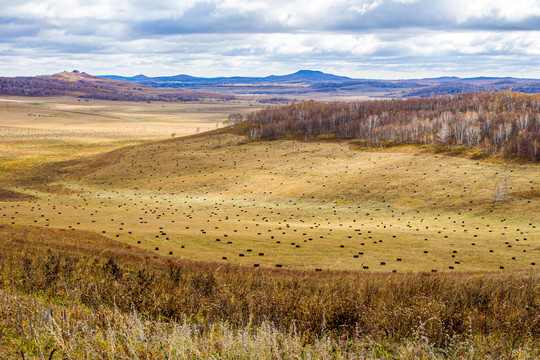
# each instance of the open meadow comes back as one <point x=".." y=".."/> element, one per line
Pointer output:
<point x="100" y="207"/>
<point x="327" y="206"/>
<point x="65" y="117"/>
<point x="42" y="132"/>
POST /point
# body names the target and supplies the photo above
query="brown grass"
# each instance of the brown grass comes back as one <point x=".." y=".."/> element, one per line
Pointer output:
<point x="528" y="194"/>
<point x="72" y="268"/>
<point x="9" y="195"/>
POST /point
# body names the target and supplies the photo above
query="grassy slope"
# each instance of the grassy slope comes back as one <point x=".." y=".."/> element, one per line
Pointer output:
<point x="325" y="204"/>
<point x="82" y="295"/>
<point x="180" y="195"/>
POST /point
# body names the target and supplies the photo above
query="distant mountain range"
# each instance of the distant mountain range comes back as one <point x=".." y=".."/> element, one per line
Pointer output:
<point x="304" y="84"/>
<point x="309" y="81"/>
<point x="300" y="77"/>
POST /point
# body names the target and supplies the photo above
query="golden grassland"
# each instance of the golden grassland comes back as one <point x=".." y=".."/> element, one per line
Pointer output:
<point x="210" y="242"/>
<point x="45" y="132"/>
<point x="50" y="118"/>
<point x="223" y="199"/>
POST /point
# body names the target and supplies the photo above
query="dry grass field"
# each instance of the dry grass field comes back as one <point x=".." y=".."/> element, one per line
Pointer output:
<point x="24" y="118"/>
<point x="42" y="132"/>
<point x="329" y="205"/>
<point x="76" y="294"/>
<point x="118" y="240"/>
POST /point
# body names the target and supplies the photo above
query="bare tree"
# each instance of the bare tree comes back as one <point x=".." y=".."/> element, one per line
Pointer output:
<point x="234" y="119"/>
<point x="522" y="122"/>
<point x="444" y="133"/>
<point x="254" y="133"/>
<point x="471" y="135"/>
<point x="458" y="128"/>
<point x="501" y="191"/>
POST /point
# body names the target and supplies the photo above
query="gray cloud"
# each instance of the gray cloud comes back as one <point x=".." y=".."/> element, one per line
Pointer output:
<point x="209" y="17"/>
<point x="12" y="28"/>
<point x="430" y="14"/>
<point x="204" y="18"/>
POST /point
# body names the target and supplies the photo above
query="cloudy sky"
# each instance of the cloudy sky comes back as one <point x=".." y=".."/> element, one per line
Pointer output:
<point x="358" y="38"/>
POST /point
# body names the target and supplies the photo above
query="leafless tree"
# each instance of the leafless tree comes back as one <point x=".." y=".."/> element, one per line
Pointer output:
<point x="471" y="135"/>
<point x="444" y="133"/>
<point x="522" y="122"/>
<point x="254" y="133"/>
<point x="234" y="119"/>
<point x="501" y="191"/>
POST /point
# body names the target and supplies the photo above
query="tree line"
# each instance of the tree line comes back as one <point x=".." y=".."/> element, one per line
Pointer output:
<point x="505" y="123"/>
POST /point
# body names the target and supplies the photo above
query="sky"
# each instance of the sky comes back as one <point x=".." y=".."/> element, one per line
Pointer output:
<point x="377" y="39"/>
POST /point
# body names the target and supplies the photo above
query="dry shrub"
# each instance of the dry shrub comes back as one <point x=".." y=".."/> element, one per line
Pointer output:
<point x="437" y="310"/>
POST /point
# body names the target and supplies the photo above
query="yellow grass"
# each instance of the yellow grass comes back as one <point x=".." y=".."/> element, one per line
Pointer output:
<point x="325" y="204"/>
<point x="23" y="118"/>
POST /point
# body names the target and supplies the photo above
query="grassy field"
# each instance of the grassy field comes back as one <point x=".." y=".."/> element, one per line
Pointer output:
<point x="23" y="118"/>
<point x="328" y="205"/>
<point x="48" y="132"/>
<point x="207" y="245"/>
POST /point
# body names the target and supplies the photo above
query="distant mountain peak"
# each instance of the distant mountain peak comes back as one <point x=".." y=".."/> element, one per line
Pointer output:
<point x="307" y="72"/>
<point x="312" y="76"/>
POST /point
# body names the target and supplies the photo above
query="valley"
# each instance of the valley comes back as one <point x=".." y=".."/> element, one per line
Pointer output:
<point x="117" y="214"/>
<point x="328" y="205"/>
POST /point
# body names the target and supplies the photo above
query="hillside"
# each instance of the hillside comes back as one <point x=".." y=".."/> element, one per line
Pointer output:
<point x="91" y="87"/>
<point x="328" y="205"/>
<point x="215" y="245"/>
<point x="79" y="293"/>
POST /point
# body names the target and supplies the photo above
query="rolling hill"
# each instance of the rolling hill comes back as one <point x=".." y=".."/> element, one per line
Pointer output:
<point x="215" y="245"/>
<point x="220" y="198"/>
<point x="303" y="84"/>
<point x="83" y="85"/>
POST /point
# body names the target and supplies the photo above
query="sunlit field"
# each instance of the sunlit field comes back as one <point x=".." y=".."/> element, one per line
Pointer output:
<point x="169" y="235"/>
<point x="23" y="118"/>
<point x="41" y="132"/>
<point x="326" y="206"/>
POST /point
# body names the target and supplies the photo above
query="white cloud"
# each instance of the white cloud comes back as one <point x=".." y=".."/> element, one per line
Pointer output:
<point x="510" y="10"/>
<point x="365" y="6"/>
<point x="236" y="37"/>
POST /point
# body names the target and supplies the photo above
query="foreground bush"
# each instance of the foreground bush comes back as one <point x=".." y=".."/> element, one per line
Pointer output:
<point x="83" y="294"/>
